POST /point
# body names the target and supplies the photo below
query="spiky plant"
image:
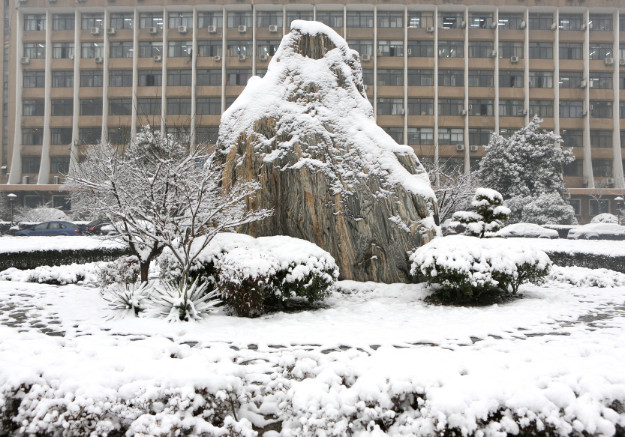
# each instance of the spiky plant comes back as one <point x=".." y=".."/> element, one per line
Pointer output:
<point x="183" y="302"/>
<point x="127" y="296"/>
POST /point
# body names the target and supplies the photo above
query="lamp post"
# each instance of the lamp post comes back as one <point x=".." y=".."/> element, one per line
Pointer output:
<point x="12" y="198"/>
<point x="619" y="206"/>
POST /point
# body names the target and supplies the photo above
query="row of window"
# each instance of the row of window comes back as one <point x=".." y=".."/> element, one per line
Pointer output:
<point x="361" y="19"/>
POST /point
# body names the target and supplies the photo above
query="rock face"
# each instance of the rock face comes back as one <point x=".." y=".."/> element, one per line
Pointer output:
<point x="306" y="132"/>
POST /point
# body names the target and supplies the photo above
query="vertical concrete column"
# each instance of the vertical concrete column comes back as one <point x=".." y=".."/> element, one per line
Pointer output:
<point x="253" y="40"/>
<point x="496" y="73"/>
<point x="617" y="153"/>
<point x="435" y="134"/>
<point x="15" y="176"/>
<point x="105" y="80"/>
<point x="224" y="23"/>
<point x="526" y="69"/>
<point x="135" y="72"/>
<point x="73" y="159"/>
<point x="556" y="74"/>
<point x="164" y="73"/>
<point x="375" y="62"/>
<point x="195" y="31"/>
<point x="44" y="163"/>
<point x="587" y="168"/>
<point x="405" y="135"/>
<point x="467" y="155"/>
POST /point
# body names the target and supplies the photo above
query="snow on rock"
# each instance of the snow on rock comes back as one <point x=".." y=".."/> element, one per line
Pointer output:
<point x="526" y="230"/>
<point x="34" y="244"/>
<point x="306" y="132"/>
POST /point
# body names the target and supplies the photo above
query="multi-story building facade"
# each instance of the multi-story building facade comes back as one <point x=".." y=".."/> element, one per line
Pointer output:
<point x="441" y="78"/>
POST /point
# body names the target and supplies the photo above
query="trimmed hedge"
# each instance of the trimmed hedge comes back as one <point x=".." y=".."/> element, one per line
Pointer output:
<point x="33" y="259"/>
<point x="588" y="260"/>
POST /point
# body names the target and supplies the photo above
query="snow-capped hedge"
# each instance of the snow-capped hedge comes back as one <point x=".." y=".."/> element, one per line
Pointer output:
<point x="467" y="267"/>
<point x="56" y="275"/>
<point x="583" y="277"/>
<point x="252" y="273"/>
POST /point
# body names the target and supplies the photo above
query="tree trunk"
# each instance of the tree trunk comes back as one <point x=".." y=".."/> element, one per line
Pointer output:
<point x="145" y="269"/>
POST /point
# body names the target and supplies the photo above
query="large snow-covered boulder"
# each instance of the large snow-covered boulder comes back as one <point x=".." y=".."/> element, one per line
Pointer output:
<point x="306" y="132"/>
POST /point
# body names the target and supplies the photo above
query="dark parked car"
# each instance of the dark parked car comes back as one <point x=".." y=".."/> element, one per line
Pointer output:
<point x="50" y="229"/>
<point x="95" y="227"/>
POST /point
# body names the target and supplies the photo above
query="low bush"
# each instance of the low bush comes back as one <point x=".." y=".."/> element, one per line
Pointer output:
<point x="469" y="269"/>
<point x="182" y="303"/>
<point x="37" y="258"/>
<point x="124" y="296"/>
<point x="124" y="270"/>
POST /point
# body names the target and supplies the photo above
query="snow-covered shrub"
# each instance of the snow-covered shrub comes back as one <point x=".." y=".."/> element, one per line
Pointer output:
<point x="547" y="208"/>
<point x="467" y="268"/>
<point x="488" y="215"/>
<point x="183" y="303"/>
<point x="124" y="270"/>
<point x="604" y="218"/>
<point x="55" y="275"/>
<point x="41" y="214"/>
<point x="584" y="277"/>
<point x="125" y="296"/>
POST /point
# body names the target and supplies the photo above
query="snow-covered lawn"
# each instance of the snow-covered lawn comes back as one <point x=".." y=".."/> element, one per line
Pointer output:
<point x="375" y="360"/>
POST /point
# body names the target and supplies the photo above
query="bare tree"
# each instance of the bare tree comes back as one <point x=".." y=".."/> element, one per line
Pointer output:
<point x="159" y="193"/>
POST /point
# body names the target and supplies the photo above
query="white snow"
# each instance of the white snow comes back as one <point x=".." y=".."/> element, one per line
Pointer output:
<point x="597" y="231"/>
<point x="604" y="218"/>
<point x="526" y="230"/>
<point x="30" y="244"/>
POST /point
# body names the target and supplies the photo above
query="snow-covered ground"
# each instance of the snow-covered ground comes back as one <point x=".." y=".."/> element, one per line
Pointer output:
<point x="374" y="360"/>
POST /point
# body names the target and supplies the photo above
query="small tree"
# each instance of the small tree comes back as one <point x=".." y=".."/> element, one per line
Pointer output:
<point x="453" y="188"/>
<point x="488" y="214"/>
<point x="159" y="193"/>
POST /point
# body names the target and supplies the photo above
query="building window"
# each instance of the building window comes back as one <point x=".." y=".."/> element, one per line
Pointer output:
<point x="390" y="48"/>
<point x="572" y="137"/>
<point x="91" y="78"/>
<point x="602" y="168"/>
<point x="236" y="19"/>
<point x="390" y="106"/>
<point x="367" y="76"/>
<point x="205" y="19"/>
<point x="208" y="106"/>
<point x="542" y="108"/>
<point x="570" y="79"/>
<point x="541" y="79"/>
<point x="149" y="106"/>
<point x="209" y="48"/>
<point x="240" y="48"/>
<point x="600" y="80"/>
<point x="267" y="48"/>
<point x="63" y="50"/>
<point x="510" y="21"/>
<point x="601" y="138"/>
<point x="480" y="20"/>
<point x="541" y="50"/>
<point x="510" y="108"/>
<point x="32" y="107"/>
<point x="601" y="108"/>
<point x="120" y="78"/>
<point x="508" y="49"/>
<point x="450" y="77"/>
<point x="598" y="206"/>
<point x="149" y="49"/>
<point x="574" y="169"/>
<point x="392" y="77"/>
<point x="570" y="50"/>
<point x="35" y="50"/>
<point x="601" y="22"/>
<point x="179" y="49"/>
<point x="91" y="50"/>
<point x="480" y="49"/>
<point x="362" y="46"/>
<point x="421" y="49"/>
<point x="179" y="78"/>
<point x="121" y="49"/>
<point x="33" y="79"/>
<point x="34" y="22"/>
<point x="209" y="77"/>
<point x="510" y="79"/>
<point x="600" y="51"/>
<point x="238" y="76"/>
<point x="89" y="21"/>
<point x="178" y="106"/>
<point x="480" y="78"/>
<point x="59" y="164"/>
<point x="571" y="109"/>
<point x="60" y="136"/>
<point x="150" y="77"/>
<point x="621" y="80"/>
<point x="418" y="77"/>
<point x="450" y="106"/>
<point x="177" y="19"/>
<point x="359" y="19"/>
<point x="420" y="136"/>
<point x="450" y="49"/>
<point x="206" y="134"/>
<point x="32" y="136"/>
<point x="30" y="164"/>
<point x="331" y="18"/>
<point x="479" y="137"/>
<point x="150" y="19"/>
<point x="450" y="20"/>
<point x="268" y="18"/>
<point x="420" y="20"/>
<point x="540" y="21"/>
<point x="418" y="106"/>
<point x="396" y="133"/>
<point x="63" y="22"/>
<point x="120" y="106"/>
<point x="62" y="79"/>
<point x="298" y="15"/>
<point x="122" y="21"/>
<point x="62" y="107"/>
<point x="89" y="135"/>
<point x="390" y="19"/>
<point x="447" y="136"/>
<point x="90" y="106"/>
<point x="119" y="135"/>
<point x="622" y="111"/>
<point x="571" y="21"/>
<point x="483" y="107"/>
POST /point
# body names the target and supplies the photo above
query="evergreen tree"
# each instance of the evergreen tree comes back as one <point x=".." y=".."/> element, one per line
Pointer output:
<point x="488" y="215"/>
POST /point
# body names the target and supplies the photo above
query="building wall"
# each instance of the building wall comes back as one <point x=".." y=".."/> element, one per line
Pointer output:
<point x="497" y="65"/>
